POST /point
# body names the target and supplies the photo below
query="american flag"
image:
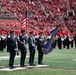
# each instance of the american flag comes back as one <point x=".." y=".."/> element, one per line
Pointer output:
<point x="24" y="23"/>
<point x="25" y="20"/>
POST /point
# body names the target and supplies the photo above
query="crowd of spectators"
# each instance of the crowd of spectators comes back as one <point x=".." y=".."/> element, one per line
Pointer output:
<point x="43" y="15"/>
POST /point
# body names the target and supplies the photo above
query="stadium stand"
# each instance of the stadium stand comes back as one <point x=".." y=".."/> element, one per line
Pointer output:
<point x="42" y="14"/>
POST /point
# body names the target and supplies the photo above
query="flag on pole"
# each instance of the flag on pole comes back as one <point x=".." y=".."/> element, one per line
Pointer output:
<point x="24" y="23"/>
<point x="48" y="47"/>
<point x="25" y="20"/>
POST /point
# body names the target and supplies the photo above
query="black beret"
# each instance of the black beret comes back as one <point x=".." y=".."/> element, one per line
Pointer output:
<point x="22" y="31"/>
<point x="11" y="32"/>
<point x="40" y="32"/>
<point x="31" y="32"/>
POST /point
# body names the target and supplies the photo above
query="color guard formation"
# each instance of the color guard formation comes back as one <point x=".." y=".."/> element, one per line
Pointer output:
<point x="16" y="42"/>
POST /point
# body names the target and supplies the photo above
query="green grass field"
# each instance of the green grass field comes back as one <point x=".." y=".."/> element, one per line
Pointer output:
<point x="61" y="62"/>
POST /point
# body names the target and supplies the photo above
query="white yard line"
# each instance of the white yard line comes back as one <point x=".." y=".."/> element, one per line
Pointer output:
<point x="7" y="57"/>
<point x="20" y="68"/>
<point x="74" y="60"/>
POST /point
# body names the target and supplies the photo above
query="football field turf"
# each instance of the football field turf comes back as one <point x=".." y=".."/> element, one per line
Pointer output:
<point x="61" y="62"/>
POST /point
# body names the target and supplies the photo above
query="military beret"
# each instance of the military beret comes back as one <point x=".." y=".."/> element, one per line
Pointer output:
<point x="40" y="32"/>
<point x="22" y="31"/>
<point x="11" y="32"/>
<point x="31" y="32"/>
